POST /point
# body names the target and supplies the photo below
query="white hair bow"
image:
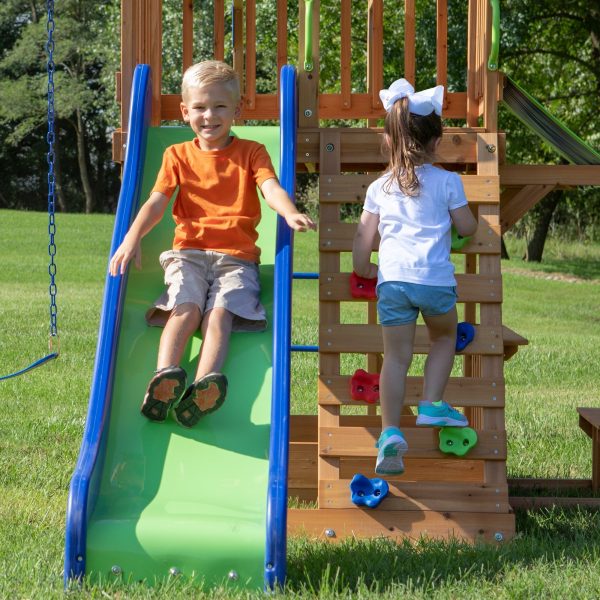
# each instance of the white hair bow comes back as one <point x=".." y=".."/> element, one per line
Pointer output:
<point x="419" y="103"/>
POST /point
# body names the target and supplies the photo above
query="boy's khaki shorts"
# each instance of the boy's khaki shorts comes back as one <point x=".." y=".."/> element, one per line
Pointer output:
<point x="210" y="280"/>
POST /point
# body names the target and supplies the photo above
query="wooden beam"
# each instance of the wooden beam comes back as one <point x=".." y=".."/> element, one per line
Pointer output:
<point x="514" y="206"/>
<point x="555" y="175"/>
<point x="336" y="525"/>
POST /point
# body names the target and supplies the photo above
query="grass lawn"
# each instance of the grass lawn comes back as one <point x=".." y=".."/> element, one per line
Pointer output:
<point x="556" y="553"/>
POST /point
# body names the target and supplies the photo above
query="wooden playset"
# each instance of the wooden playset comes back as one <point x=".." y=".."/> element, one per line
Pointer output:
<point x="440" y="495"/>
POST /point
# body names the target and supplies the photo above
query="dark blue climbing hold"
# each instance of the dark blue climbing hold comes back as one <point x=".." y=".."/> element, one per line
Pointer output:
<point x="368" y="492"/>
<point x="465" y="332"/>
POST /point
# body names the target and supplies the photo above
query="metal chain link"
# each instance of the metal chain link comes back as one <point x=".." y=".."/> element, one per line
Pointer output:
<point x="50" y="138"/>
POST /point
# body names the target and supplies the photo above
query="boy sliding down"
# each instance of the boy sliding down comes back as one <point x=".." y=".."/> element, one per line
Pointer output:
<point x="212" y="271"/>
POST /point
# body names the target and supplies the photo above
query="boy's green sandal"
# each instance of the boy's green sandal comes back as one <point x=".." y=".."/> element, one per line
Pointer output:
<point x="202" y="397"/>
<point x="164" y="389"/>
<point x="392" y="447"/>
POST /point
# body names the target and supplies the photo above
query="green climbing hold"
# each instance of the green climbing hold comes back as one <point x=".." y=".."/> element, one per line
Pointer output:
<point x="458" y="241"/>
<point x="457" y="440"/>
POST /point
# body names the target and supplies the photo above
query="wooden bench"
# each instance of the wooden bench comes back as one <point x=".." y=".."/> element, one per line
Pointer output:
<point x="589" y="421"/>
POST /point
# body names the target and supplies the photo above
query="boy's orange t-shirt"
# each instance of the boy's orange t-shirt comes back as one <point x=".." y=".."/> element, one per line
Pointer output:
<point x="217" y="205"/>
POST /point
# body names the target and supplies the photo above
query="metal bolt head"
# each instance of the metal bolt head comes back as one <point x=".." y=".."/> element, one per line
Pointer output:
<point x="232" y="575"/>
<point x="330" y="533"/>
<point x="499" y="537"/>
<point x="308" y="112"/>
<point x="174" y="571"/>
<point x="330" y="147"/>
<point x="116" y="570"/>
<point x="491" y="148"/>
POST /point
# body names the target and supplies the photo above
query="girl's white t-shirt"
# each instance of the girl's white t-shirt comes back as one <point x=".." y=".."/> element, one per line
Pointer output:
<point x="415" y="230"/>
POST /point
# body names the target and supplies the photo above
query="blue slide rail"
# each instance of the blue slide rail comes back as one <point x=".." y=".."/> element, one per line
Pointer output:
<point x="275" y="550"/>
<point x="83" y="489"/>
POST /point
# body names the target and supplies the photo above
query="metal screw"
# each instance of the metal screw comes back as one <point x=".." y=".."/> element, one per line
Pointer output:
<point x="499" y="537"/>
<point x="116" y="570"/>
<point x="233" y="576"/>
<point x="330" y="147"/>
<point x="491" y="148"/>
<point x="330" y="533"/>
<point x="269" y="566"/>
<point x="174" y="571"/>
<point x="308" y="112"/>
<point x="79" y="558"/>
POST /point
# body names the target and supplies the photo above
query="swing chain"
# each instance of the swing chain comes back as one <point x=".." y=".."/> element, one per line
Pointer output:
<point x="50" y="138"/>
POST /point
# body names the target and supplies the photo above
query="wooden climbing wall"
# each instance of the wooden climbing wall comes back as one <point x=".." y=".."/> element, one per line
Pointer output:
<point x="439" y="494"/>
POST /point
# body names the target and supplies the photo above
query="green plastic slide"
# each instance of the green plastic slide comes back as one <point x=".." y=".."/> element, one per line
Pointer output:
<point x="174" y="500"/>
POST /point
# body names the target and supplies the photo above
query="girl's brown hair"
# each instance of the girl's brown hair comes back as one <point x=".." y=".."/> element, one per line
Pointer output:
<point x="410" y="139"/>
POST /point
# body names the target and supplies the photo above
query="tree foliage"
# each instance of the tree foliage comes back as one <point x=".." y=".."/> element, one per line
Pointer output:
<point x="563" y="77"/>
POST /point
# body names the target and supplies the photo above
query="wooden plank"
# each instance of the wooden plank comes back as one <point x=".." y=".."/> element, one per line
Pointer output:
<point x="440" y="469"/>
<point x="303" y="459"/>
<point x="331" y="106"/>
<point x="362" y="339"/>
<point x="188" y="33"/>
<point x="219" y="29"/>
<point x="472" y="98"/>
<point x="375" y="52"/>
<point x="422" y="443"/>
<point x="346" y="54"/>
<point x="308" y="81"/>
<point x="441" y="497"/>
<point x="470" y="288"/>
<point x="410" y="45"/>
<point x="352" y="188"/>
<point x="250" y="83"/>
<point x="537" y="502"/>
<point x="555" y="175"/>
<point x="282" y="37"/>
<point x="336" y="525"/>
<point x="366" y="146"/>
<point x="460" y="391"/>
<point x="515" y="206"/>
<point x="441" y="49"/>
<point x="302" y="471"/>
<point x="237" y="18"/>
<point x="588" y="419"/>
<point x="486" y="239"/>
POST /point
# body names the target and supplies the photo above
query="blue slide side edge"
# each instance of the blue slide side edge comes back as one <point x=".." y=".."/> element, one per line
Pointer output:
<point x="85" y="480"/>
<point x="276" y="518"/>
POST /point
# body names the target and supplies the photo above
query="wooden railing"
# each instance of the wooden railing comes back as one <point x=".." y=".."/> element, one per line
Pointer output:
<point x="141" y="35"/>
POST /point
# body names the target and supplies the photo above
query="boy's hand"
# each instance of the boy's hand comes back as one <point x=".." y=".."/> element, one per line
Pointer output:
<point x="123" y="255"/>
<point x="300" y="222"/>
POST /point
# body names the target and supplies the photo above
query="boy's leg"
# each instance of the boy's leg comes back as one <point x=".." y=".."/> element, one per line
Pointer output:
<point x="168" y="383"/>
<point x="183" y="321"/>
<point x="216" y="331"/>
<point x="208" y="391"/>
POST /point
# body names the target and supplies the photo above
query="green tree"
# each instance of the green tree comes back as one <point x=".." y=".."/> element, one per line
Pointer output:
<point x="83" y="46"/>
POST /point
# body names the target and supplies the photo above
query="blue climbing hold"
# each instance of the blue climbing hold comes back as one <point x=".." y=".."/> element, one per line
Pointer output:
<point x="368" y="492"/>
<point x="465" y="332"/>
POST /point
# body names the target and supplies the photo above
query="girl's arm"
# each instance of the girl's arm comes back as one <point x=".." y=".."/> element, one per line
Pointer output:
<point x="277" y="199"/>
<point x="150" y="214"/>
<point x="363" y="245"/>
<point x="464" y="221"/>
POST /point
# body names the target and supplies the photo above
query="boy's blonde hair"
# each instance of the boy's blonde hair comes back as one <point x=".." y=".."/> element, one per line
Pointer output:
<point x="210" y="71"/>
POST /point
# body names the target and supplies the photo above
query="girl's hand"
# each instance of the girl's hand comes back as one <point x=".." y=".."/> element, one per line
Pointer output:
<point x="300" y="222"/>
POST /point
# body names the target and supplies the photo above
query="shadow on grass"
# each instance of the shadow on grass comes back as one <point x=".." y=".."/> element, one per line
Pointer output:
<point x="544" y="536"/>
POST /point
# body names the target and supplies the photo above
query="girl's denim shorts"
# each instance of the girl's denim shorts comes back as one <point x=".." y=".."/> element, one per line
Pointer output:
<point x="399" y="303"/>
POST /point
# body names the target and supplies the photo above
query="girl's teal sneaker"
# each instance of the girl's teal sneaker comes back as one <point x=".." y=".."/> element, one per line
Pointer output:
<point x="430" y="415"/>
<point x="392" y="447"/>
